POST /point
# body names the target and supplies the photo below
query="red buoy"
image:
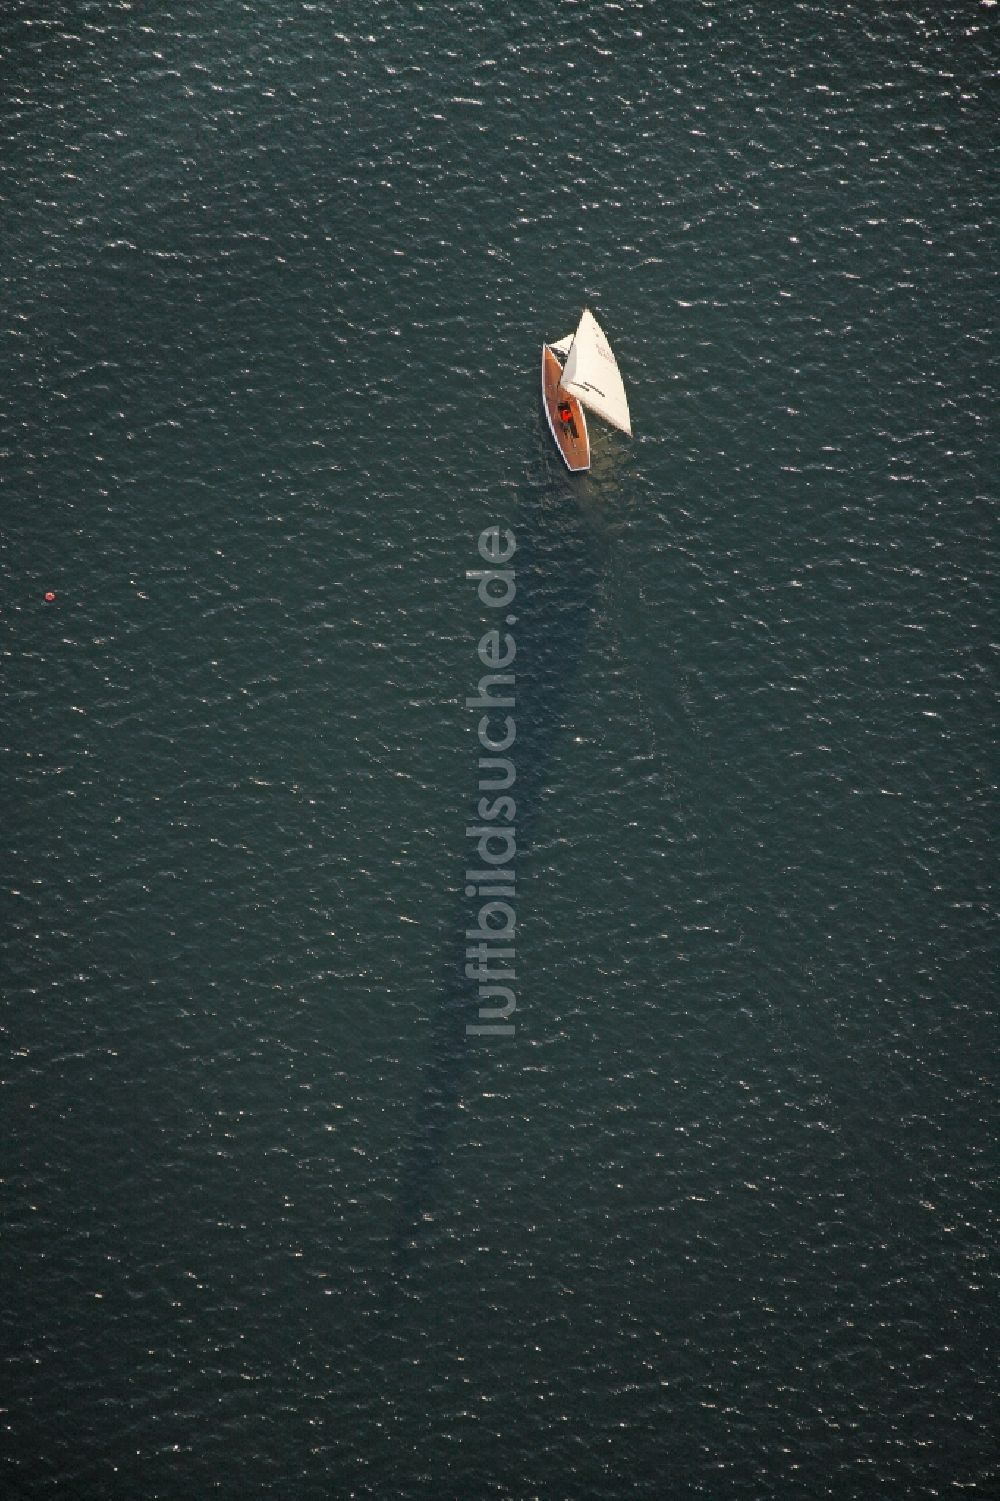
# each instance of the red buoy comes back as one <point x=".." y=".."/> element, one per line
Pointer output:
<point x="49" y="597"/>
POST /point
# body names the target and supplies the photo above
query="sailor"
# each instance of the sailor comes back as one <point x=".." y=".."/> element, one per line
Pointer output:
<point x="565" y="411"/>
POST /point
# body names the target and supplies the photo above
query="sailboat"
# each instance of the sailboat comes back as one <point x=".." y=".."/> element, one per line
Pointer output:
<point x="580" y="371"/>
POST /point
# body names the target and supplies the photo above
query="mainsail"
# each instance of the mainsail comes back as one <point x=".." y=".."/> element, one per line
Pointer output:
<point x="591" y="374"/>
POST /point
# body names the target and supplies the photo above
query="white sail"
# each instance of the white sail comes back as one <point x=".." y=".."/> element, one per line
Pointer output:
<point x="561" y="346"/>
<point x="591" y="374"/>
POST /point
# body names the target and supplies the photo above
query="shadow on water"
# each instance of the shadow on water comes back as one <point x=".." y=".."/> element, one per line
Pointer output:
<point x="559" y="564"/>
<point x="568" y="566"/>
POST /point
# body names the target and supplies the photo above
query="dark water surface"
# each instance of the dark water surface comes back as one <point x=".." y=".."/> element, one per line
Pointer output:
<point x="720" y="1219"/>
